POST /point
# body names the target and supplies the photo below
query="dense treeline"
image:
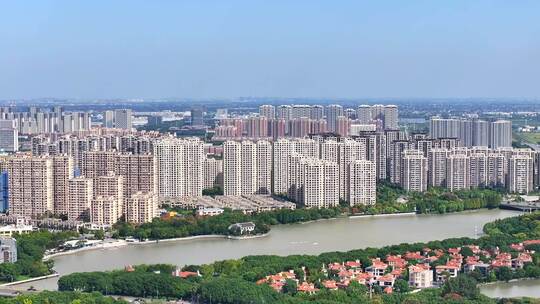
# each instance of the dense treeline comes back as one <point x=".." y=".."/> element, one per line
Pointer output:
<point x="438" y="200"/>
<point x="30" y="250"/>
<point x="233" y="281"/>
<point x="48" y="297"/>
<point x="145" y="281"/>
<point x="434" y="200"/>
<point x="189" y="225"/>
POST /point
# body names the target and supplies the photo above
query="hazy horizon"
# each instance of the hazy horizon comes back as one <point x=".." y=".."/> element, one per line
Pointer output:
<point x="302" y="49"/>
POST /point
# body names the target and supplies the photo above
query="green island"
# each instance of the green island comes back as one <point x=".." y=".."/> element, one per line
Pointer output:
<point x="246" y="280"/>
<point x="390" y="200"/>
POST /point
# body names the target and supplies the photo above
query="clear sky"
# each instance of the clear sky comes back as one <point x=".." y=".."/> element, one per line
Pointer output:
<point x="274" y="48"/>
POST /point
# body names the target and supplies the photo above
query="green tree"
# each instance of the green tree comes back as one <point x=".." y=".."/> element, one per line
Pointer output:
<point x="462" y="285"/>
<point x="401" y="286"/>
<point x="290" y="287"/>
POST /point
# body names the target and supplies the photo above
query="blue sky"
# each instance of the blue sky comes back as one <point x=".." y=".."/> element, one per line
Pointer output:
<point x="213" y="49"/>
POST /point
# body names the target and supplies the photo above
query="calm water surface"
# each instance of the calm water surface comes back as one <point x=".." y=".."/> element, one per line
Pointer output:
<point x="309" y="238"/>
<point x="524" y="288"/>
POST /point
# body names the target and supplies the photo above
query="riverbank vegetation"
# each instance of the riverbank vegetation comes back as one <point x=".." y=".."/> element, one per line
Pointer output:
<point x="191" y="225"/>
<point x="234" y="281"/>
<point x="393" y="199"/>
<point x="54" y="297"/>
<point x="30" y="250"/>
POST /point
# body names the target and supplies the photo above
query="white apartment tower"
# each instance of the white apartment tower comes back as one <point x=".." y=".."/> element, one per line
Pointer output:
<point x="520" y="174"/>
<point x="247" y="167"/>
<point x="387" y="115"/>
<point x="179" y="167"/>
<point x="437" y="167"/>
<point x="123" y="119"/>
<point x="458" y="172"/>
<point x="501" y="134"/>
<point x="414" y="171"/>
<point x="479" y="170"/>
<point x="282" y="149"/>
<point x="9" y="136"/>
<point x="213" y="173"/>
<point x="317" y="183"/>
<point x="362" y="184"/>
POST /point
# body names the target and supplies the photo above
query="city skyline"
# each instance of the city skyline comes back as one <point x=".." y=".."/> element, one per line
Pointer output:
<point x="239" y="48"/>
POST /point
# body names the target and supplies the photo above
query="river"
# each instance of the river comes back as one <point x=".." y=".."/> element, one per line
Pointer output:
<point x="516" y="289"/>
<point x="309" y="238"/>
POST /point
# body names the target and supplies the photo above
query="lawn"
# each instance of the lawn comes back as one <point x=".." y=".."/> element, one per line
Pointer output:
<point x="533" y="137"/>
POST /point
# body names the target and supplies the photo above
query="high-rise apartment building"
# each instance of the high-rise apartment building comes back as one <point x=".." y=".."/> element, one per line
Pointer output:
<point x="282" y="149"/>
<point x="500" y="134"/>
<point x="179" y="167"/>
<point x="30" y="185"/>
<point x="396" y="160"/>
<point x="119" y="118"/>
<point x="197" y="116"/>
<point x="123" y="119"/>
<point x="257" y="127"/>
<point x="137" y="171"/>
<point x="213" y="173"/>
<point x="141" y="208"/>
<point x="268" y="111"/>
<point x="520" y="174"/>
<point x="497" y="167"/>
<point x="111" y="185"/>
<point x="386" y="115"/>
<point x="247" y="167"/>
<point x="317" y="183"/>
<point x="437" y="167"/>
<point x="81" y="193"/>
<point x="63" y="171"/>
<point x="472" y="132"/>
<point x="362" y="184"/>
<point x="458" y="172"/>
<point x="480" y="130"/>
<point x="414" y="175"/>
<point x="332" y="114"/>
<point x="9" y="136"/>
<point x="108" y="119"/>
<point x="105" y="210"/>
<point x="479" y="170"/>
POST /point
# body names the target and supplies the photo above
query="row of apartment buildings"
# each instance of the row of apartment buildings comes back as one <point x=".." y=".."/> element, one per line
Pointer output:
<point x="473" y="132"/>
<point x="301" y="120"/>
<point x="110" y="185"/>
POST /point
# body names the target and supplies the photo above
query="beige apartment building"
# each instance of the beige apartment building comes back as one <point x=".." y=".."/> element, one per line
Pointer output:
<point x="81" y="193"/>
<point x="31" y="185"/>
<point x="105" y="210"/>
<point x="63" y="170"/>
<point x="141" y="208"/>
